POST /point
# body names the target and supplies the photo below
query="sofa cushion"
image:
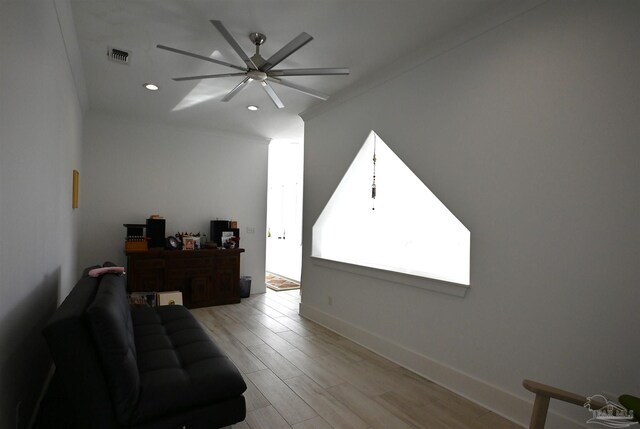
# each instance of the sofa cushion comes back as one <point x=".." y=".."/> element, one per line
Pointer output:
<point x="180" y="367"/>
<point x="110" y="321"/>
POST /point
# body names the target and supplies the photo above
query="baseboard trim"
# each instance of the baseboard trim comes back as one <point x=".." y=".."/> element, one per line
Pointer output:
<point x="512" y="407"/>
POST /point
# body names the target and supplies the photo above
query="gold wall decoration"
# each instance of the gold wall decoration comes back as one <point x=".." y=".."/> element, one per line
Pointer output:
<point x="76" y="179"/>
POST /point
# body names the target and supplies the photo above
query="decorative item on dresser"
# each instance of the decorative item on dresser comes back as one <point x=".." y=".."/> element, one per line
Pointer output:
<point x="205" y="277"/>
<point x="156" y="226"/>
<point x="136" y="240"/>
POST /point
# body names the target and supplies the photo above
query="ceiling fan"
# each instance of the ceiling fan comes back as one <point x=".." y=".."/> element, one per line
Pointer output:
<point x="261" y="70"/>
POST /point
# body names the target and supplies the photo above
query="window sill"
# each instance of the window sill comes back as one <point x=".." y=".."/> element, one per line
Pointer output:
<point x="433" y="285"/>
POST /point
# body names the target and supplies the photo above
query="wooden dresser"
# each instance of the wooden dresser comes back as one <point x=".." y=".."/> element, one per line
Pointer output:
<point x="205" y="277"/>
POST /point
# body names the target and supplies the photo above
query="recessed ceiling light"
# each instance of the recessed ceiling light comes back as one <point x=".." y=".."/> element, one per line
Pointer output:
<point x="253" y="108"/>
<point x="151" y="86"/>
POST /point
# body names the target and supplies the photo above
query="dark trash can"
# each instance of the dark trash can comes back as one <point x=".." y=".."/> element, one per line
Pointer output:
<point x="245" y="286"/>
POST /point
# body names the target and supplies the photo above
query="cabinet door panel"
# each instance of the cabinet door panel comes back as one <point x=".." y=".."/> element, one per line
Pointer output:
<point x="226" y="281"/>
<point x="202" y="293"/>
<point x="149" y="281"/>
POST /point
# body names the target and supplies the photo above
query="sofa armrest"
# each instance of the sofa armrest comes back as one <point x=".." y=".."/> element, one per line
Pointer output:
<point x="77" y="363"/>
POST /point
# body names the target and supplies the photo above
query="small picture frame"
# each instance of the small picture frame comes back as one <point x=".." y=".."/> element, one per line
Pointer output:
<point x="230" y="240"/>
<point x="188" y="243"/>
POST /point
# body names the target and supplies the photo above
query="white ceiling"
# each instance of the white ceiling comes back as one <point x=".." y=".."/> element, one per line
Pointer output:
<point x="363" y="35"/>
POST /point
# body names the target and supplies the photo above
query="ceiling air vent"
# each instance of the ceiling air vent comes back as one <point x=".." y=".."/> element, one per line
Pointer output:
<point x="119" y="55"/>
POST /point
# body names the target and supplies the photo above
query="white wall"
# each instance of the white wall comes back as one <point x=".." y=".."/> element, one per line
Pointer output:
<point x="133" y="169"/>
<point x="40" y="142"/>
<point x="529" y="133"/>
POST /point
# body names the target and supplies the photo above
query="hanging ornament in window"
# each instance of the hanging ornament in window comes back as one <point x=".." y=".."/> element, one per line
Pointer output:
<point x="373" y="185"/>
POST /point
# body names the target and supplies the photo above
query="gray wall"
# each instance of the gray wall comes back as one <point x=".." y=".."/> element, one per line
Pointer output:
<point x="133" y="169"/>
<point x="529" y="133"/>
<point x="40" y="141"/>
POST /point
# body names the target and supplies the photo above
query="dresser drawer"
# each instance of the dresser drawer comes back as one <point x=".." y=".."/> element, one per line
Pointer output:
<point x="148" y="264"/>
<point x="179" y="273"/>
<point x="193" y="262"/>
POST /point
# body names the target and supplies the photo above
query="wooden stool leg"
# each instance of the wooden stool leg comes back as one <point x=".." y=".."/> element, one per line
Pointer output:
<point x="539" y="413"/>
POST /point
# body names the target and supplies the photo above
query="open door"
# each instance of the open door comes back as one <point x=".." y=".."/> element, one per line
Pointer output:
<point x="284" y="210"/>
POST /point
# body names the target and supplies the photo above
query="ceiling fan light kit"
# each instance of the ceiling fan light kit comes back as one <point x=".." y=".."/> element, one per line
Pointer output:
<point x="260" y="69"/>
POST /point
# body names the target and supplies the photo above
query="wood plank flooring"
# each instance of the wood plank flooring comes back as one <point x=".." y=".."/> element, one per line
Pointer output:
<point x="300" y="375"/>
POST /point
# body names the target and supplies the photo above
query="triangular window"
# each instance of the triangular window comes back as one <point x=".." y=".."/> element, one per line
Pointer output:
<point x="404" y="229"/>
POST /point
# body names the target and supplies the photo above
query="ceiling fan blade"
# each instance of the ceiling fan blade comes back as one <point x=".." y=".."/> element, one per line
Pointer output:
<point x="310" y="72"/>
<point x="207" y="76"/>
<point x="200" y="57"/>
<point x="272" y="94"/>
<point x="236" y="90"/>
<point x="303" y="89"/>
<point x="229" y="38"/>
<point x="286" y="50"/>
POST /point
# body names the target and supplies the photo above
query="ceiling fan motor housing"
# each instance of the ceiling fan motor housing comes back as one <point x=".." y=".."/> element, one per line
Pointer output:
<point x="257" y="75"/>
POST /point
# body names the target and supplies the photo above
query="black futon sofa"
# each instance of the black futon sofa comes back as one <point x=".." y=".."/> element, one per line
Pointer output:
<point x="138" y="368"/>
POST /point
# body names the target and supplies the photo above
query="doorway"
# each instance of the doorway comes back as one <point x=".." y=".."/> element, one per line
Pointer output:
<point x="284" y="213"/>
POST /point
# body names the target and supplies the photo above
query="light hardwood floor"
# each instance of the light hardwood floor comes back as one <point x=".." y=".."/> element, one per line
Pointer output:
<point x="302" y="376"/>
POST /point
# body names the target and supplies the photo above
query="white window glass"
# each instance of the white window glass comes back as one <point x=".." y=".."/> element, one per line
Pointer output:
<point x="410" y="231"/>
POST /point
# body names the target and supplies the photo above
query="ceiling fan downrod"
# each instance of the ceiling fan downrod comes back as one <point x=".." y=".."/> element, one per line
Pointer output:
<point x="258" y="39"/>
